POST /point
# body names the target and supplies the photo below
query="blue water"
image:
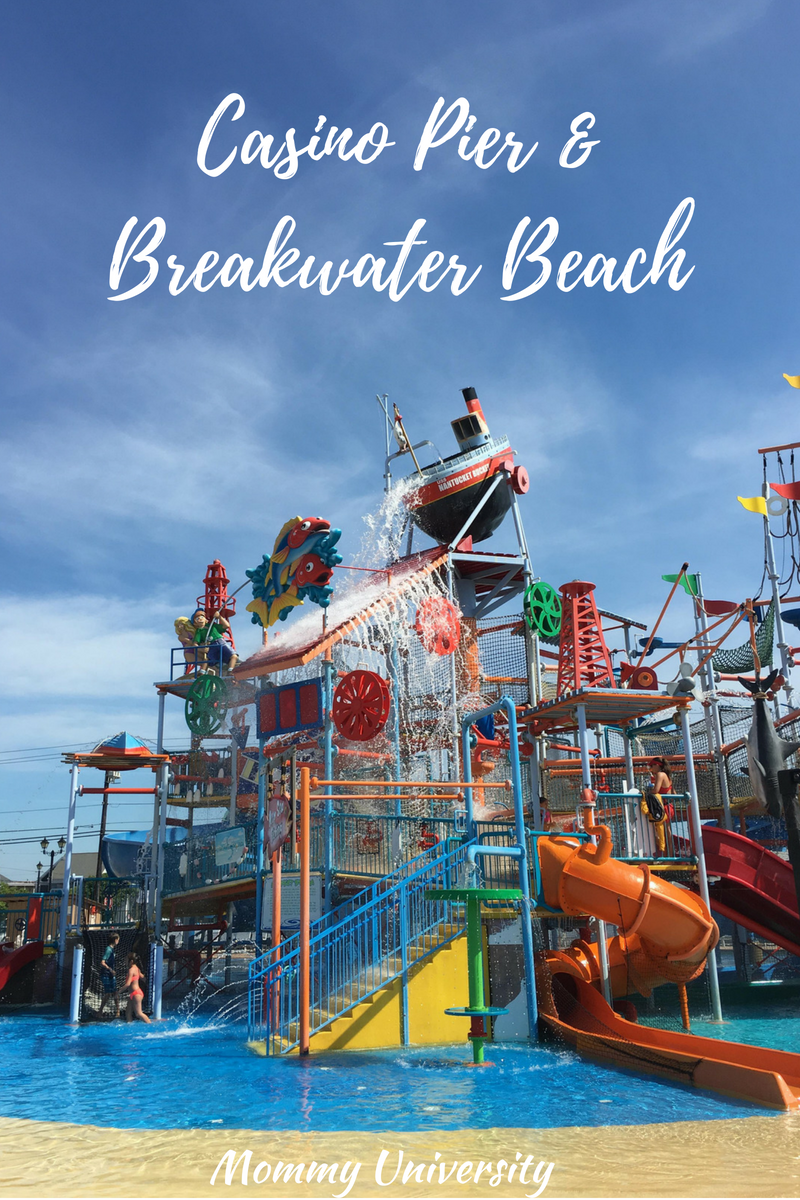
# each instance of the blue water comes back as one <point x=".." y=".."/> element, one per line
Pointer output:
<point x="780" y="1030"/>
<point x="179" y="1075"/>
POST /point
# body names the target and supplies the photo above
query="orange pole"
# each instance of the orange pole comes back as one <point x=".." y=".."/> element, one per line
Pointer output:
<point x="305" y="886"/>
<point x="687" y="1024"/>
<point x="404" y="783"/>
<point x="681" y="574"/>
<point x="372" y="796"/>
<point x="276" y="927"/>
<point x="772" y="449"/>
<point x="751" y="622"/>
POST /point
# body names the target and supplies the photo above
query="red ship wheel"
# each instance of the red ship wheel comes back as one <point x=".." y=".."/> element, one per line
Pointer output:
<point x="360" y="705"/>
<point x="438" y="625"/>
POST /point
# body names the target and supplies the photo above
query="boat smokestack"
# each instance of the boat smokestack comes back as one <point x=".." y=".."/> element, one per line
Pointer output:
<point x="471" y="431"/>
<point x="472" y="402"/>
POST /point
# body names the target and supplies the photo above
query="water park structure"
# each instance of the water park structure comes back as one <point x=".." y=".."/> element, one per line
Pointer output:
<point x="448" y="808"/>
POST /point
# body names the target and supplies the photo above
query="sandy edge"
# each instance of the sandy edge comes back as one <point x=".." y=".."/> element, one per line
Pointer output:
<point x="755" y="1156"/>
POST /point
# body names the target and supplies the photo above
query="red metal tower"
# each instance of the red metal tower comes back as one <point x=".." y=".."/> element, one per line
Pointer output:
<point x="215" y="598"/>
<point x="583" y="658"/>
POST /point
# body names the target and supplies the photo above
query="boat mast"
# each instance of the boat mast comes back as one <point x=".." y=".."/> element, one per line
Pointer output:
<point x="388" y="427"/>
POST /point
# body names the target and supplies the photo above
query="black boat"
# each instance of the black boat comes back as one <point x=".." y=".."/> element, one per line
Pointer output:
<point x="449" y="490"/>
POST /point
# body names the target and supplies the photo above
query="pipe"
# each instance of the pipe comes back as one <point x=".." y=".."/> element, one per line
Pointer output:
<point x="328" y="769"/>
<point x="234" y="781"/>
<point x="305" y="885"/>
<point x="697" y="837"/>
<point x="536" y="785"/>
<point x="158" y="979"/>
<point x="159" y="849"/>
<point x="507" y="703"/>
<point x="603" y="851"/>
<point x="151" y="895"/>
<point x="64" y="906"/>
<point x="455" y="766"/>
<point x="499" y="851"/>
<point x="76" y="991"/>
<point x="262" y="805"/>
<point x="774" y="577"/>
<point x="383" y="756"/>
<point x="316" y="782"/>
<point x="713" y="722"/>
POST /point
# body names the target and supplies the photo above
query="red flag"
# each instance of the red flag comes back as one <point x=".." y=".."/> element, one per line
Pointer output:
<point x="718" y="608"/>
<point x="791" y="491"/>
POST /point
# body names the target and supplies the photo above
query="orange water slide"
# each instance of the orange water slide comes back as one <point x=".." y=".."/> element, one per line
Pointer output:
<point x="665" y="934"/>
<point x="666" y="931"/>
<point x="577" y="1014"/>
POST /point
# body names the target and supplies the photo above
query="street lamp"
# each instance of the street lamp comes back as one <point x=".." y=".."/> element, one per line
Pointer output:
<point x="44" y="843"/>
<point x="38" y="874"/>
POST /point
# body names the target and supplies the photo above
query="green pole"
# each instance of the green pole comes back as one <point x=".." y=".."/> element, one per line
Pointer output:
<point x="475" y="976"/>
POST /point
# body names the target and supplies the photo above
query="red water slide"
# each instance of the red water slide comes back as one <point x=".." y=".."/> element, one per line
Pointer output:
<point x="12" y="958"/>
<point x="752" y="886"/>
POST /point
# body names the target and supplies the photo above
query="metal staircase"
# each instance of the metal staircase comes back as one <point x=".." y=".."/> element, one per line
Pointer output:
<point x="358" y="949"/>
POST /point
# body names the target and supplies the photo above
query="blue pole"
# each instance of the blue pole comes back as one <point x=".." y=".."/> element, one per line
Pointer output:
<point x="398" y="804"/>
<point x="262" y="796"/>
<point x="328" y="768"/>
<point x="507" y="703"/>
<point x="466" y="762"/>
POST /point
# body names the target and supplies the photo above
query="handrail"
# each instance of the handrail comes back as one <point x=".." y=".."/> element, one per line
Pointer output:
<point x="356" y="956"/>
<point x="360" y="900"/>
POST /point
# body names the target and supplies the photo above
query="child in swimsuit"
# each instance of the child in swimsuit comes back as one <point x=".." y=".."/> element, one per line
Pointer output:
<point x="108" y="974"/>
<point x="135" y="995"/>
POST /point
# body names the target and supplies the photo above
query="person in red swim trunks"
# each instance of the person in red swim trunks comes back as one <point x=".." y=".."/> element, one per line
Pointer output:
<point x="134" y="981"/>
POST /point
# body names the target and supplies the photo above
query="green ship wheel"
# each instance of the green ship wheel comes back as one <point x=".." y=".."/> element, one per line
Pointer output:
<point x="542" y="609"/>
<point x="206" y="705"/>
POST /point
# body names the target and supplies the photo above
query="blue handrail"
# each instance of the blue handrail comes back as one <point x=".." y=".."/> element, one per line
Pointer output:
<point x="355" y="953"/>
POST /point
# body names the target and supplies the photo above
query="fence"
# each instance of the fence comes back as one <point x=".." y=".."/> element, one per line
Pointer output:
<point x="29" y="917"/>
<point x="105" y="901"/>
<point x="372" y="846"/>
<point x="364" y="845"/>
<point x="635" y="836"/>
<point x="356" y="952"/>
<point x="193" y="863"/>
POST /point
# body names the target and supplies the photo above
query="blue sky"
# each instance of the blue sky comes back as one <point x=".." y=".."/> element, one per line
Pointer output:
<point x="144" y="438"/>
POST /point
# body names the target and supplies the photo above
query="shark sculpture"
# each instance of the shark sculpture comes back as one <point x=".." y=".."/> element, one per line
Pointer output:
<point x="767" y="751"/>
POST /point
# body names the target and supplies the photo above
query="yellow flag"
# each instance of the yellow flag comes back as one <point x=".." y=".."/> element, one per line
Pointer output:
<point x="794" y="380"/>
<point x="755" y="504"/>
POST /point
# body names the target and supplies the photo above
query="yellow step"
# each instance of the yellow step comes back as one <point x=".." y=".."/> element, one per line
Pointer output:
<point x="369" y="1020"/>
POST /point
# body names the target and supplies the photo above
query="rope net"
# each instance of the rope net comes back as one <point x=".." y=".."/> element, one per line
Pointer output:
<point x="741" y="657"/>
<point x="95" y="942"/>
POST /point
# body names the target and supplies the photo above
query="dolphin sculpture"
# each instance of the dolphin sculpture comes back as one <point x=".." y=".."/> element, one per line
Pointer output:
<point x="767" y="751"/>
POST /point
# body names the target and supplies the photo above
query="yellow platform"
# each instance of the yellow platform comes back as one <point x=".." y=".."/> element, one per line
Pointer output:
<point x="434" y="984"/>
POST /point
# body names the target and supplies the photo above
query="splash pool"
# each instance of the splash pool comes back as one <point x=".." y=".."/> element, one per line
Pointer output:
<point x="185" y="1075"/>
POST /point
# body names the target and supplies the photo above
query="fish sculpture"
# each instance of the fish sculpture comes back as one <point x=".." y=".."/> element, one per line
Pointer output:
<point x="299" y="568"/>
<point x="767" y="751"/>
